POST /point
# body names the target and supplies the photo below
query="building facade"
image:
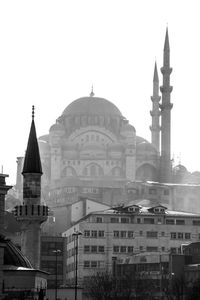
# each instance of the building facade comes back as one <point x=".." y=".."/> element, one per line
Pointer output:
<point x="127" y="230"/>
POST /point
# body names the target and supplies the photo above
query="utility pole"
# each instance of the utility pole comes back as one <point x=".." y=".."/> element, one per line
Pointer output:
<point x="76" y="235"/>
<point x="56" y="251"/>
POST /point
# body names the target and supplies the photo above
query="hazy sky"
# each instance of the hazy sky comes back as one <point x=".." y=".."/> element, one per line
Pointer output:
<point x="51" y="52"/>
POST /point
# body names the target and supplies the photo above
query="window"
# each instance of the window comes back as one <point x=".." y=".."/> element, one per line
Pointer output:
<point x="116" y="234"/>
<point x="152" y="249"/>
<point x="180" y="235"/>
<point x="130" y="249"/>
<point x="170" y="221"/>
<point x="163" y="249"/>
<point x="130" y="234"/>
<point x="94" y="233"/>
<point x="141" y="232"/>
<point x="101" y="233"/>
<point x="152" y="192"/>
<point x="180" y="222"/>
<point x="166" y="192"/>
<point x="141" y="248"/>
<point x="138" y="220"/>
<point x="114" y="220"/>
<point x="187" y="236"/>
<point x="99" y="219"/>
<point x="159" y="221"/>
<point x="86" y="264"/>
<point x="162" y="233"/>
<point x="101" y="249"/>
<point x="196" y="222"/>
<point x="86" y="233"/>
<point x="115" y="249"/>
<point x="152" y="234"/>
<point x="94" y="249"/>
<point x="123" y="234"/>
<point x="93" y="264"/>
<point x="148" y="221"/>
<point x="86" y="249"/>
<point x="123" y="249"/>
<point x="124" y="220"/>
<point x="173" y="235"/>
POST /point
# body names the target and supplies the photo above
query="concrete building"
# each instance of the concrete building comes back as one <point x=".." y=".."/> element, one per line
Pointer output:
<point x="124" y="231"/>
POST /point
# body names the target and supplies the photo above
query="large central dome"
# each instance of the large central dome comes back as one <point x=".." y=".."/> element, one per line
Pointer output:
<point x="91" y="106"/>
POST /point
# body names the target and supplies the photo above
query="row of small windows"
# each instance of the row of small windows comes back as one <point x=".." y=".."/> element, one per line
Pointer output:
<point x="93" y="264"/>
<point x="94" y="233"/>
<point x="78" y="162"/>
<point x="169" y="221"/>
<point x="94" y="249"/>
<point x="130" y="249"/>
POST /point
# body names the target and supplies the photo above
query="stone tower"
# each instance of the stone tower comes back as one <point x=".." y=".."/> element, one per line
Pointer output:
<point x="155" y="112"/>
<point x="31" y="214"/>
<point x="166" y="106"/>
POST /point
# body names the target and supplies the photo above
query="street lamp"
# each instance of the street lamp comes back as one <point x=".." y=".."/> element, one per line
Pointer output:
<point x="56" y="251"/>
<point x="76" y="235"/>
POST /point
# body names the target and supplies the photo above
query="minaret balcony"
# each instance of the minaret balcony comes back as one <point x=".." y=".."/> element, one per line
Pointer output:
<point x="166" y="89"/>
<point x="31" y="212"/>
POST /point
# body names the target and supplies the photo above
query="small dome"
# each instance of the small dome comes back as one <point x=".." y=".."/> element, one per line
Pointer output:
<point x="57" y="127"/>
<point x="13" y="256"/>
<point x="180" y="168"/>
<point x="128" y="127"/>
<point x="145" y="146"/>
<point x="92" y="106"/>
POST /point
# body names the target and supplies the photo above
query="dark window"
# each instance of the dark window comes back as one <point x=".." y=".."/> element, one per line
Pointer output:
<point x="99" y="220"/>
<point x="94" y="249"/>
<point x="196" y="222"/>
<point x="170" y="221"/>
<point x="116" y="234"/>
<point x="187" y="236"/>
<point x="86" y="248"/>
<point x="123" y="234"/>
<point x="86" y="264"/>
<point x="101" y="233"/>
<point x="148" y="221"/>
<point x="180" y="222"/>
<point x="115" y="249"/>
<point x="123" y="249"/>
<point x="124" y="220"/>
<point x="152" y="234"/>
<point x="152" y="249"/>
<point x="101" y="249"/>
<point x="173" y="235"/>
<point x="86" y="233"/>
<point x="114" y="220"/>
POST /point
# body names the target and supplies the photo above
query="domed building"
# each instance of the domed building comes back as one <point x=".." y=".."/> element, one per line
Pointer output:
<point x="92" y="140"/>
<point x="93" y="152"/>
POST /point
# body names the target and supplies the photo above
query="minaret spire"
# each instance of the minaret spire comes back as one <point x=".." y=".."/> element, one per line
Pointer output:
<point x="155" y="112"/>
<point x="166" y="106"/>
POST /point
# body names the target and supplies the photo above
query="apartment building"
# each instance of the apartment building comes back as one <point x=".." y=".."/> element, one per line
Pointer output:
<point x="123" y="231"/>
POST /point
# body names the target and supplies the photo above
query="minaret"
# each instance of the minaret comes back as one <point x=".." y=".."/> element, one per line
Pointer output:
<point x="166" y="106"/>
<point x="155" y="112"/>
<point x="31" y="214"/>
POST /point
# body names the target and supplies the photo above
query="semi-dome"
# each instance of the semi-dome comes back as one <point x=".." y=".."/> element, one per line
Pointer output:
<point x="92" y="106"/>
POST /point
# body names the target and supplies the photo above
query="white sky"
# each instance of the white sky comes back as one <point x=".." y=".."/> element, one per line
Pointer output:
<point x="51" y="52"/>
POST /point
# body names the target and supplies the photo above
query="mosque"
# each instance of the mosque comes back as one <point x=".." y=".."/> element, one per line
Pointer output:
<point x="93" y="152"/>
